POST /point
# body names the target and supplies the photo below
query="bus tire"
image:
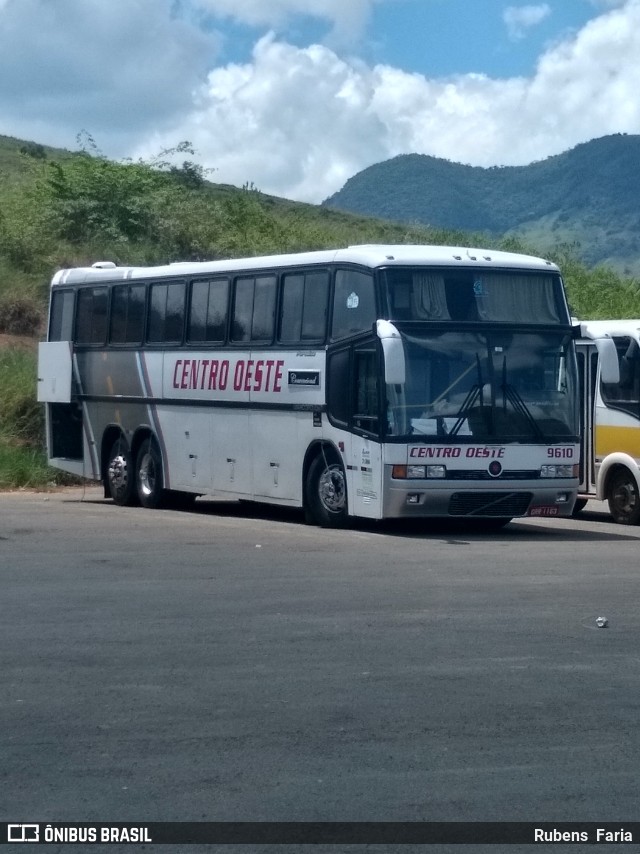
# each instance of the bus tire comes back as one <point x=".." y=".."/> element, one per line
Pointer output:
<point x="623" y="497"/>
<point x="149" y="478"/>
<point x="120" y="474"/>
<point x="326" y="492"/>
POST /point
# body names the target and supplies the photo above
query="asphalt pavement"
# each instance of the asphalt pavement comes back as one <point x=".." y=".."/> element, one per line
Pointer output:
<point x="235" y="664"/>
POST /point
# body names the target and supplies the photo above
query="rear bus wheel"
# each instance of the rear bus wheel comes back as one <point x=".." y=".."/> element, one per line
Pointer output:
<point x="326" y="492"/>
<point x="149" y="478"/>
<point x="120" y="475"/>
<point x="624" y="498"/>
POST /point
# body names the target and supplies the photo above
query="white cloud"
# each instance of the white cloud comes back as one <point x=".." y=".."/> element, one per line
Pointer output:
<point x="299" y="122"/>
<point x="115" y="68"/>
<point x="140" y="75"/>
<point x="519" y="19"/>
<point x="293" y="118"/>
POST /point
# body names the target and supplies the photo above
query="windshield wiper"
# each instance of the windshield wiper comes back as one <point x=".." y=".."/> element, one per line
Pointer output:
<point x="513" y="396"/>
<point x="474" y="393"/>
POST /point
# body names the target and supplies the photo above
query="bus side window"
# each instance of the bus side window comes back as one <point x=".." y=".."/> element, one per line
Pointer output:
<point x="303" y="310"/>
<point x="254" y="309"/>
<point x="61" y="324"/>
<point x="91" y="318"/>
<point x="127" y="314"/>
<point x="264" y="309"/>
<point x="166" y="313"/>
<point x="354" y="304"/>
<point x="208" y="312"/>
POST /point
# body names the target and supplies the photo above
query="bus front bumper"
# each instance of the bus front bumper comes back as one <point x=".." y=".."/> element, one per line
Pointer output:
<point x="488" y="500"/>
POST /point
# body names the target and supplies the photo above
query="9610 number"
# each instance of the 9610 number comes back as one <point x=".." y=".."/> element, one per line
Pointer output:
<point x="560" y="453"/>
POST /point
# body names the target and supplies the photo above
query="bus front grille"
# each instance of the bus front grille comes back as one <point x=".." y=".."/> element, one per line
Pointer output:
<point x="482" y="474"/>
<point x="489" y="503"/>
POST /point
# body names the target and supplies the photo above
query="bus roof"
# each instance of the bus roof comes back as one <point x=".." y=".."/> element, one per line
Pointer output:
<point x="368" y="255"/>
<point x="605" y="328"/>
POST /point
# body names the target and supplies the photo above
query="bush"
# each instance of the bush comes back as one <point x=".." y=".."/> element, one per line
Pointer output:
<point x="20" y="315"/>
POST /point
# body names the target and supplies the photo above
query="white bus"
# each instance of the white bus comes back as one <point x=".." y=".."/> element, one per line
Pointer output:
<point x="609" y="373"/>
<point x="371" y="381"/>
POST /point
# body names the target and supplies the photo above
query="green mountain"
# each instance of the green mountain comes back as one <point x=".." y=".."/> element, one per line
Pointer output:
<point x="587" y="197"/>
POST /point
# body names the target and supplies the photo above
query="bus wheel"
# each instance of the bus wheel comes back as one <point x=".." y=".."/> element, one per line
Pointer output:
<point x="326" y="490"/>
<point x="149" y="480"/>
<point x="120" y="476"/>
<point x="623" y="497"/>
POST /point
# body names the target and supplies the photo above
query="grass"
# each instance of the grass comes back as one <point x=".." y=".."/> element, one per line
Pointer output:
<point x="23" y="467"/>
<point x="23" y="461"/>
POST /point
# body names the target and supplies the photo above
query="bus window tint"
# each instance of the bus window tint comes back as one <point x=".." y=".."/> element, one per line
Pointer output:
<point x="254" y="309"/>
<point x="354" y="304"/>
<point x="264" y="309"/>
<point x="475" y="296"/>
<point x="91" y="320"/>
<point x="208" y="314"/>
<point x="303" y="314"/>
<point x="61" y="325"/>
<point x="166" y="313"/>
<point x="127" y="314"/>
<point x="314" y="309"/>
<point x="242" y="310"/>
<point x="291" y="309"/>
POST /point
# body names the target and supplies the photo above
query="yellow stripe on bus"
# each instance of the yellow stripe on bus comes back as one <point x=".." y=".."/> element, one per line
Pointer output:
<point x="610" y="440"/>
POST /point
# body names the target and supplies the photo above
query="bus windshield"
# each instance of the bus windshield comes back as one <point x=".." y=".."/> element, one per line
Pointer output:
<point x="490" y="386"/>
<point x="485" y="296"/>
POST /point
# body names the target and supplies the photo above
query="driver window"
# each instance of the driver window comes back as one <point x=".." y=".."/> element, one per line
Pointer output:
<point x="366" y="406"/>
<point x="625" y="394"/>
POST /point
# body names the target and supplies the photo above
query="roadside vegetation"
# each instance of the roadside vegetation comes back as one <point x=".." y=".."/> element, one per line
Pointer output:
<point x="22" y="462"/>
<point x="61" y="209"/>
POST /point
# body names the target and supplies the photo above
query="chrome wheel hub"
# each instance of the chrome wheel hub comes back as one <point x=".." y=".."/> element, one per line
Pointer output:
<point x="147" y="475"/>
<point x="119" y="472"/>
<point x="331" y="489"/>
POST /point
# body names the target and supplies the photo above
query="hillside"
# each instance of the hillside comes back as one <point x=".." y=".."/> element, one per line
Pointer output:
<point x="61" y="208"/>
<point x="586" y="197"/>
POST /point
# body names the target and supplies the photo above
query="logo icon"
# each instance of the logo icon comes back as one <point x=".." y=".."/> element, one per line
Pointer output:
<point x="23" y="833"/>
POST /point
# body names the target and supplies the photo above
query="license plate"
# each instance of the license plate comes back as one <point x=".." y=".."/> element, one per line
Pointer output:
<point x="544" y="511"/>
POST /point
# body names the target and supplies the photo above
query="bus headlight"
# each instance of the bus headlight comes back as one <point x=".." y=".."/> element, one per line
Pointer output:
<point x="436" y="471"/>
<point x="418" y="472"/>
<point x="559" y="471"/>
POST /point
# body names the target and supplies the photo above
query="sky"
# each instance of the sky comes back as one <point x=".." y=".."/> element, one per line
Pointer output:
<point x="296" y="96"/>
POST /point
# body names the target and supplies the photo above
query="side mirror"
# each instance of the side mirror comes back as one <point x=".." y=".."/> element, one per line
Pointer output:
<point x="609" y="365"/>
<point x="393" y="351"/>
